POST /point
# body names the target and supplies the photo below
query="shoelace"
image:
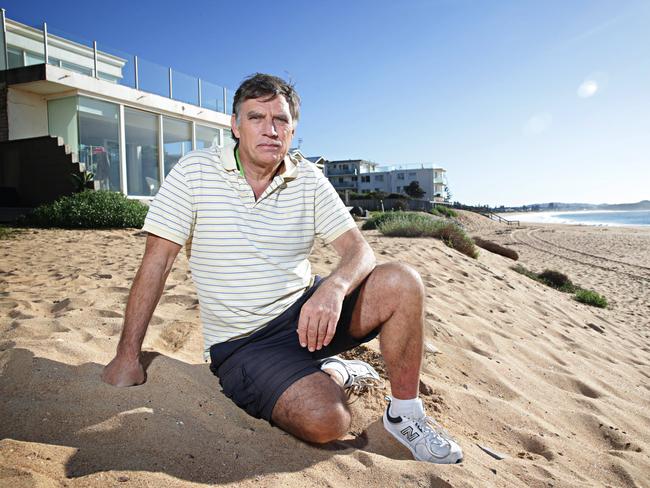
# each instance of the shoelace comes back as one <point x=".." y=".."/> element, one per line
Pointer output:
<point x="361" y="384"/>
<point x="433" y="432"/>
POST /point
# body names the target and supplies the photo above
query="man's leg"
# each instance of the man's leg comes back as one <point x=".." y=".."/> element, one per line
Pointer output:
<point x="314" y="408"/>
<point x="393" y="298"/>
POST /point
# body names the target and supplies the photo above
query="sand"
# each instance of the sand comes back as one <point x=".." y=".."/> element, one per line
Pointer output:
<point x="559" y="388"/>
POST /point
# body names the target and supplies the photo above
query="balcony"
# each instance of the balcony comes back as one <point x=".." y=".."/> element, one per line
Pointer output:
<point x="342" y="172"/>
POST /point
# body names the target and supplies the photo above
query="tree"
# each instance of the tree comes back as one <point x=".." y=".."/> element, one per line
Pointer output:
<point x="448" y="194"/>
<point x="413" y="190"/>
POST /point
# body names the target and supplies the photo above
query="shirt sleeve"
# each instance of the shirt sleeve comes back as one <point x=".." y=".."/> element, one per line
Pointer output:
<point x="332" y="218"/>
<point x="171" y="213"/>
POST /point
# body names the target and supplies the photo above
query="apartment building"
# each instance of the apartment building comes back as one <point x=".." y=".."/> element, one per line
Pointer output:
<point x="361" y="176"/>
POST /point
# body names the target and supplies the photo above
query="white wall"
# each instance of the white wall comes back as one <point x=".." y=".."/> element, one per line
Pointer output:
<point x="27" y="113"/>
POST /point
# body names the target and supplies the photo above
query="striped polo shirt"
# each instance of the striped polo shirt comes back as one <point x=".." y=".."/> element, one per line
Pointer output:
<point x="248" y="258"/>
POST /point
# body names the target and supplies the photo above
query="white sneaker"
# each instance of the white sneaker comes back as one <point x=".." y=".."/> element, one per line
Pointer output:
<point x="426" y="440"/>
<point x="360" y="375"/>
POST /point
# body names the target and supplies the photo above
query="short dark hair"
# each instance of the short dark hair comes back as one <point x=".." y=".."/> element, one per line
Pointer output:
<point x="262" y="85"/>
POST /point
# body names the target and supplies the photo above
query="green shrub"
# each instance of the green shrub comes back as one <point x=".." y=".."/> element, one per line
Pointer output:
<point x="561" y="282"/>
<point x="412" y="224"/>
<point x="496" y="248"/>
<point x="90" y="210"/>
<point x="557" y="280"/>
<point x="378" y="218"/>
<point x="5" y="232"/>
<point x="443" y="211"/>
<point x="526" y="272"/>
<point x="592" y="298"/>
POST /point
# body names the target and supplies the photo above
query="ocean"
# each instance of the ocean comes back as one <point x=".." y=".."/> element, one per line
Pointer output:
<point x="585" y="217"/>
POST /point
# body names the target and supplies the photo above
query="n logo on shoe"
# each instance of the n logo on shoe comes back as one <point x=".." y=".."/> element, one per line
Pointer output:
<point x="409" y="433"/>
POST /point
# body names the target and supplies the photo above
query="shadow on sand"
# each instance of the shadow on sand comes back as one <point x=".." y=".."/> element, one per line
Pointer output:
<point x="177" y="423"/>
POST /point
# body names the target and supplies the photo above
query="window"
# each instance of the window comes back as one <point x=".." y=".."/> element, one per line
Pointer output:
<point x="399" y="189"/>
<point x="207" y="137"/>
<point x="177" y="141"/>
<point x="365" y="179"/>
<point x="141" y="130"/>
<point x="379" y="177"/>
<point x="412" y="174"/>
<point x="400" y="176"/>
<point x="99" y="146"/>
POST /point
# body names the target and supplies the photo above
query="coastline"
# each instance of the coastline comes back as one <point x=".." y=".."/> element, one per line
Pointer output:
<point x="578" y="217"/>
<point x="518" y="367"/>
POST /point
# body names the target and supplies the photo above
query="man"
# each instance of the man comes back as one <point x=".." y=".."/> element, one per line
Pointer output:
<point x="248" y="217"/>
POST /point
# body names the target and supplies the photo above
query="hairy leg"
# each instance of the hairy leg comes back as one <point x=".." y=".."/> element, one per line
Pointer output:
<point x="393" y="298"/>
<point x="313" y="409"/>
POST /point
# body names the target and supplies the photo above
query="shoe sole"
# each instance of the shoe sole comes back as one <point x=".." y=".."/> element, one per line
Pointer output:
<point x="406" y="444"/>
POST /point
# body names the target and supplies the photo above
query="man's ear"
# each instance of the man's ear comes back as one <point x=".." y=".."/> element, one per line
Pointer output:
<point x="233" y="125"/>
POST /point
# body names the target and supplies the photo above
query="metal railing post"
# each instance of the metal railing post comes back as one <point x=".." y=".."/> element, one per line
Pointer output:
<point x="95" y="58"/>
<point x="135" y="67"/>
<point x="225" y="101"/>
<point x="171" y="92"/>
<point x="5" y="52"/>
<point x="45" y="50"/>
<point x="200" y="93"/>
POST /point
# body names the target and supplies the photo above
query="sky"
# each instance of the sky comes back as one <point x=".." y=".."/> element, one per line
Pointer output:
<point x="520" y="101"/>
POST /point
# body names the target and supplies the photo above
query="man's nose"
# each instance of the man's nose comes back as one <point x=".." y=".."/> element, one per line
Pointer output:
<point x="269" y="128"/>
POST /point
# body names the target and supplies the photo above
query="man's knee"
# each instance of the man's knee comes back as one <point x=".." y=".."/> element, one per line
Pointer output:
<point x="313" y="409"/>
<point x="327" y="425"/>
<point x="400" y="278"/>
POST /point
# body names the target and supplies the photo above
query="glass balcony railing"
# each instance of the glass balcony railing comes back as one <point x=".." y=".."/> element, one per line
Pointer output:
<point x="28" y="45"/>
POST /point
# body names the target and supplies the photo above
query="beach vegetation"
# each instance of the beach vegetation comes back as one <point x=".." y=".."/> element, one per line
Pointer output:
<point x="90" y="210"/>
<point x="443" y="211"/>
<point x="6" y="232"/>
<point x="557" y="280"/>
<point x="496" y="248"/>
<point x="414" y="224"/>
<point x="377" y="218"/>
<point x="561" y="282"/>
<point x="591" y="297"/>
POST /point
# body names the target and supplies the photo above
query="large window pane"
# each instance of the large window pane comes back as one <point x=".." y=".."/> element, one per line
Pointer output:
<point x="141" y="129"/>
<point x="207" y="137"/>
<point x="62" y="121"/>
<point x="99" y="146"/>
<point x="177" y="139"/>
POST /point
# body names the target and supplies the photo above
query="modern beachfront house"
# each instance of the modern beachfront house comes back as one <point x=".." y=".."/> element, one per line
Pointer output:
<point x="361" y="176"/>
<point x="69" y="107"/>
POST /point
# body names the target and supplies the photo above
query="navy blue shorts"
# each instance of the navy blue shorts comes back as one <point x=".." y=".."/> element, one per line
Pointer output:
<point x="255" y="370"/>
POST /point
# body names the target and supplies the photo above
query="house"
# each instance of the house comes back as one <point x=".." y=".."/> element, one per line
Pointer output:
<point x="361" y="176"/>
<point x="73" y="108"/>
<point x="346" y="174"/>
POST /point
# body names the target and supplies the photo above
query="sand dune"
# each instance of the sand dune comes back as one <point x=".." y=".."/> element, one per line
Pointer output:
<point x="557" y="387"/>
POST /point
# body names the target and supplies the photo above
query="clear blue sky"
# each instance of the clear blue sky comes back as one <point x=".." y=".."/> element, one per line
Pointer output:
<point x="520" y="101"/>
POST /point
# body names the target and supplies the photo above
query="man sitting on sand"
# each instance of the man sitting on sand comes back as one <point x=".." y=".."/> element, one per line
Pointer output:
<point x="248" y="217"/>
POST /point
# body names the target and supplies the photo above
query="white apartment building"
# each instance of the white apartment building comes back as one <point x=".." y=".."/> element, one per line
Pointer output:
<point x="361" y="176"/>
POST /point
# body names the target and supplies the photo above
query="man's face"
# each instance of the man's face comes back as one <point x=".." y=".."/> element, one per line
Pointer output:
<point x="265" y="130"/>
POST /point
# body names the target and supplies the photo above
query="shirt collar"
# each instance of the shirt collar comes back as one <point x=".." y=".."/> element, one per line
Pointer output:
<point x="290" y="163"/>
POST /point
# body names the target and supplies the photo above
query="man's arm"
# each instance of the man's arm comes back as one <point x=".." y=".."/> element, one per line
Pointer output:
<point x="320" y="314"/>
<point x="125" y="369"/>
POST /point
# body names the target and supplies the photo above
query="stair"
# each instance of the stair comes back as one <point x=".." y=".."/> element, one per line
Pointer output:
<point x="36" y="170"/>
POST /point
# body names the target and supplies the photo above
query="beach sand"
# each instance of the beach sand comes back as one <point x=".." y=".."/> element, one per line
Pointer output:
<point x="559" y="388"/>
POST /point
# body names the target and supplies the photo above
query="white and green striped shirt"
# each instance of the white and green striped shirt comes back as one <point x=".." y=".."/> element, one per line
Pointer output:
<point x="249" y="259"/>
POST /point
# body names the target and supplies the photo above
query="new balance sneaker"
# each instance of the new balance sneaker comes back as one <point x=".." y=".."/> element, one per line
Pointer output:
<point x="357" y="375"/>
<point x="426" y="440"/>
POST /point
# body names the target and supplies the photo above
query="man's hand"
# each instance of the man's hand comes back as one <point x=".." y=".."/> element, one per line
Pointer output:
<point x="319" y="316"/>
<point x="123" y="372"/>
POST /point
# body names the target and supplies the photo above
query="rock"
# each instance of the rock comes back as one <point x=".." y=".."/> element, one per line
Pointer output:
<point x="425" y="389"/>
